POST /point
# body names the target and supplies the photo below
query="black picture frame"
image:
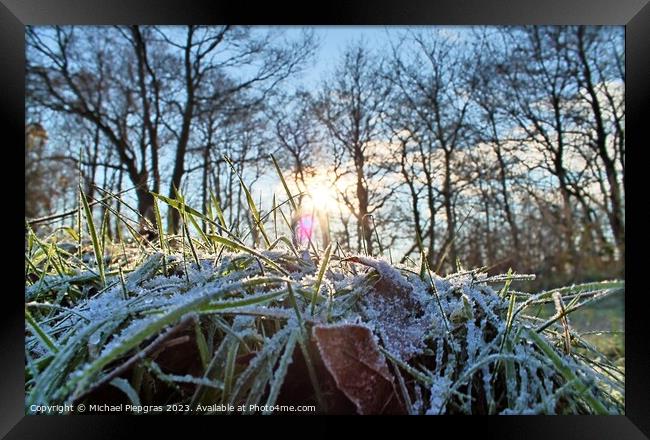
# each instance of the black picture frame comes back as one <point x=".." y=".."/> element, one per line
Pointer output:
<point x="634" y="14"/>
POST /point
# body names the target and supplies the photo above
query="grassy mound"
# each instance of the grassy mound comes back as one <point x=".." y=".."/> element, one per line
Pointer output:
<point x="215" y="324"/>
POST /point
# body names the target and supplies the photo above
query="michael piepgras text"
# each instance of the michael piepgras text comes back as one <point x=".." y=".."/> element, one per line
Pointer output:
<point x="137" y="409"/>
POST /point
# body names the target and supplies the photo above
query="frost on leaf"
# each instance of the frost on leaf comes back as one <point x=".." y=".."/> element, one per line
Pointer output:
<point x="395" y="312"/>
<point x="351" y="355"/>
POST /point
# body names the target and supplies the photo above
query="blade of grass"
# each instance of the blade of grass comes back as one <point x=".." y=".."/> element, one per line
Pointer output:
<point x="99" y="252"/>
<point x="592" y="300"/>
<point x="124" y="386"/>
<point x="319" y="279"/>
<point x="275" y="217"/>
<point x="251" y="203"/>
<point x="217" y="206"/>
<point x="40" y="334"/>
<point x="238" y="246"/>
<point x="159" y="224"/>
<point x="303" y="343"/>
<point x="284" y="183"/>
<point x="229" y="371"/>
<point x="144" y="221"/>
<point x="79" y="227"/>
<point x="80" y="381"/>
<point x="177" y="205"/>
<point x="187" y="234"/>
<point x="105" y="223"/>
<point x="568" y="374"/>
<point x="201" y="344"/>
<point x="281" y="371"/>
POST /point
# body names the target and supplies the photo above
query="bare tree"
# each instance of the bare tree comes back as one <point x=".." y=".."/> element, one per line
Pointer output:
<point x="206" y="54"/>
<point x="78" y="73"/>
<point x="295" y="131"/>
<point x="142" y="87"/>
<point x="351" y="107"/>
<point x="436" y="84"/>
<point x="596" y="75"/>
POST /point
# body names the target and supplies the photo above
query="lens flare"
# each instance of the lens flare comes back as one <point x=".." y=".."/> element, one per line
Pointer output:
<point x="304" y="229"/>
<point x="319" y="202"/>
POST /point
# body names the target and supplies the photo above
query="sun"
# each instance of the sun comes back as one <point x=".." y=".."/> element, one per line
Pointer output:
<point x="321" y="195"/>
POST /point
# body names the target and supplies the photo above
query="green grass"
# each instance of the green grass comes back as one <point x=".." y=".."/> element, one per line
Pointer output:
<point x="601" y="324"/>
<point x="205" y="317"/>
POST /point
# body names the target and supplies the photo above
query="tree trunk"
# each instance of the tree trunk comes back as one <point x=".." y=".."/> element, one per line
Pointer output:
<point x="614" y="215"/>
<point x="449" y="212"/>
<point x="184" y="136"/>
<point x="363" y="216"/>
<point x="510" y="218"/>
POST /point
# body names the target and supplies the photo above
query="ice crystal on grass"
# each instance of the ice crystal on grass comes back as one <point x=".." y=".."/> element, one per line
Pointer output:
<point x="439" y="391"/>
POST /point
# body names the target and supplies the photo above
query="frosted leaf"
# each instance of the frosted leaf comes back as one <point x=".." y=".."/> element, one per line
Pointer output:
<point x="395" y="311"/>
<point x="352" y="356"/>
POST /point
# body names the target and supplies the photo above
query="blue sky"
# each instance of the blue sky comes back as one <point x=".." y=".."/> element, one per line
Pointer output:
<point x="334" y="40"/>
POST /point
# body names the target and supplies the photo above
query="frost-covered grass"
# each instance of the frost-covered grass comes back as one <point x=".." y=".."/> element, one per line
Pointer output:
<point x="202" y="318"/>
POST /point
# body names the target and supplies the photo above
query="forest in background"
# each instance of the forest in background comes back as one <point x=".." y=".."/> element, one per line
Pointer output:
<point x="500" y="147"/>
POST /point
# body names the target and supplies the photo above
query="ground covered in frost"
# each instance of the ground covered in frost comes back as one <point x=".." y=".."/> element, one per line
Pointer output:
<point x="345" y="333"/>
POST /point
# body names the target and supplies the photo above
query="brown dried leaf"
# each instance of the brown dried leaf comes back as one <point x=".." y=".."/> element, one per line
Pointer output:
<point x="351" y="355"/>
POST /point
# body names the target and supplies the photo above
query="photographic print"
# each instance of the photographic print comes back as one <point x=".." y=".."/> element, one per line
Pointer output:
<point x="421" y="220"/>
